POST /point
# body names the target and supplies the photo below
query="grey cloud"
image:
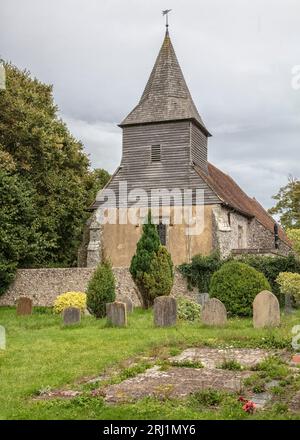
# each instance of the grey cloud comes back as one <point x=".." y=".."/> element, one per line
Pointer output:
<point x="236" y="55"/>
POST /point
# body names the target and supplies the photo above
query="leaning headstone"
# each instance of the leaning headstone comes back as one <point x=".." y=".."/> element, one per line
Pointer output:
<point x="127" y="301"/>
<point x="24" y="306"/>
<point x="116" y="313"/>
<point x="266" y="311"/>
<point x="165" y="311"/>
<point x="71" y="315"/>
<point x="214" y="313"/>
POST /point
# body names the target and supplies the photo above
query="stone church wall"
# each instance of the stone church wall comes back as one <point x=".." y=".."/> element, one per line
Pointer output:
<point x="226" y="235"/>
<point x="262" y="238"/>
<point x="44" y="285"/>
<point x="117" y="242"/>
<point x="253" y="235"/>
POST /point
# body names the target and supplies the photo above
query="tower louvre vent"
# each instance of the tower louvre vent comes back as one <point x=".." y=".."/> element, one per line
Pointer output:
<point x="155" y="153"/>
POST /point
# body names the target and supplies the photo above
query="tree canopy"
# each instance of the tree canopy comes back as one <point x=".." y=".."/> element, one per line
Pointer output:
<point x="288" y="204"/>
<point x="46" y="182"/>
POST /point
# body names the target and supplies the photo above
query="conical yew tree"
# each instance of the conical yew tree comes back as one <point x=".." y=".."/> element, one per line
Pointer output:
<point x="151" y="266"/>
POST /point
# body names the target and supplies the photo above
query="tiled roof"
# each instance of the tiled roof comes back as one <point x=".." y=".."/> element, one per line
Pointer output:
<point x="232" y="195"/>
<point x="166" y="96"/>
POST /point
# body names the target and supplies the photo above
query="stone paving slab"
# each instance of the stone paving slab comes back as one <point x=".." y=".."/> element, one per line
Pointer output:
<point x="176" y="382"/>
<point x="295" y="403"/>
<point x="213" y="357"/>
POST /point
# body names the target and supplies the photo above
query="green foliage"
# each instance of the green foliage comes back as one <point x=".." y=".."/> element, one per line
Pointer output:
<point x="101" y="290"/>
<point x="287" y="204"/>
<point x="289" y="283"/>
<point x="7" y="274"/>
<point x="200" y="270"/>
<point x="151" y="266"/>
<point x="147" y="247"/>
<point x="20" y="240"/>
<point x="133" y="371"/>
<point x="187" y="309"/>
<point x="294" y="236"/>
<point x="37" y="148"/>
<point x="273" y="367"/>
<point x="159" y="280"/>
<point x="70" y="299"/>
<point x="236" y="285"/>
<point x="98" y="178"/>
<point x="117" y="347"/>
<point x="271" y="267"/>
<point x="231" y="364"/>
<point x="208" y="397"/>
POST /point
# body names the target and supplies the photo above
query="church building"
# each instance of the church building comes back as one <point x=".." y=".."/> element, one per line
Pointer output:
<point x="165" y="146"/>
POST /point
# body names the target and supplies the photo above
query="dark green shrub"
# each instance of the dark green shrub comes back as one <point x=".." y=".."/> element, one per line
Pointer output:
<point x="200" y="270"/>
<point x="271" y="267"/>
<point x="151" y="267"/>
<point x="187" y="309"/>
<point x="7" y="275"/>
<point x="236" y="284"/>
<point x="101" y="290"/>
<point x="158" y="280"/>
<point x="147" y="247"/>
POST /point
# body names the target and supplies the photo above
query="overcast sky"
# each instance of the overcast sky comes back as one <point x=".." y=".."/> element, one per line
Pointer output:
<point x="236" y="55"/>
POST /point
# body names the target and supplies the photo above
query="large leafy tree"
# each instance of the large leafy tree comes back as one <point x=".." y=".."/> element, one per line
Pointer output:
<point x="20" y="240"/>
<point x="39" y="152"/>
<point x="294" y="236"/>
<point x="288" y="204"/>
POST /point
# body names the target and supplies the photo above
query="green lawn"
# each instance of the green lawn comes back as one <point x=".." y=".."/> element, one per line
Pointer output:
<point x="41" y="353"/>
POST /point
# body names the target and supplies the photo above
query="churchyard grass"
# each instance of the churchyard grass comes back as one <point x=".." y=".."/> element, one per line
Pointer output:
<point x="41" y="354"/>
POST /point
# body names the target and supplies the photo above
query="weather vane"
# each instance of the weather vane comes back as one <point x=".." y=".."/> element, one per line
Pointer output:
<point x="165" y="12"/>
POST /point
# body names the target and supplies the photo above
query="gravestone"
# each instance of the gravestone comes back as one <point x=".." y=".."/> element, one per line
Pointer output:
<point x="214" y="313"/>
<point x="266" y="311"/>
<point x="116" y="313"/>
<point x="24" y="306"/>
<point x="201" y="298"/>
<point x="71" y="315"/>
<point x="165" y="311"/>
<point x="288" y="303"/>
<point x="129" y="304"/>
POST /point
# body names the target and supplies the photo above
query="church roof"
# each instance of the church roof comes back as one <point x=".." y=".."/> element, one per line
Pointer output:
<point x="166" y="96"/>
<point x="233" y="196"/>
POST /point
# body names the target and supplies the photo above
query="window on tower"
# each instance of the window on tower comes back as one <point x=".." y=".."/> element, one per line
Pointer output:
<point x="162" y="232"/>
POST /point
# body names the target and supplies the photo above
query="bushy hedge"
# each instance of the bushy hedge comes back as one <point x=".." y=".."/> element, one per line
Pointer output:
<point x="101" y="290"/>
<point x="200" y="270"/>
<point x="271" y="267"/>
<point x="236" y="284"/>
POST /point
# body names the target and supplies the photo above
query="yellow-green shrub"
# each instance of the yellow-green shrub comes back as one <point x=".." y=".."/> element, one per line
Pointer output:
<point x="289" y="283"/>
<point x="70" y="299"/>
<point x="294" y="236"/>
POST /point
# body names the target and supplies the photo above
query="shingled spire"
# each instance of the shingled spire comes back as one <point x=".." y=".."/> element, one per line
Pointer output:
<point x="166" y="96"/>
